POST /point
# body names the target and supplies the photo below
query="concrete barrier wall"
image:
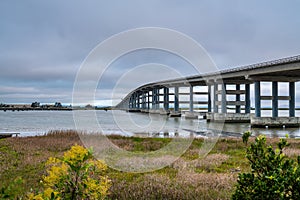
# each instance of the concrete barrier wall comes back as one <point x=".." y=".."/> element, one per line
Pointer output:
<point x="275" y="121"/>
<point x="229" y="117"/>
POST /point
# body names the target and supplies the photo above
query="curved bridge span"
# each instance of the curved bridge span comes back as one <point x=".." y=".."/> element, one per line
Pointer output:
<point x="227" y="94"/>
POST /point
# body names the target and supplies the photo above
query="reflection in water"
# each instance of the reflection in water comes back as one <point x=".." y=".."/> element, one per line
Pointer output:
<point x="119" y="122"/>
<point x="277" y="132"/>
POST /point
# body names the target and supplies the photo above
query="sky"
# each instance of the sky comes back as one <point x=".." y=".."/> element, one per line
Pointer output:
<point x="43" y="44"/>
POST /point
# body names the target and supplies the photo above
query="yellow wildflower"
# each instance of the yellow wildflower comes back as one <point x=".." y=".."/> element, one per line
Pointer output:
<point x="76" y="154"/>
<point x="76" y="164"/>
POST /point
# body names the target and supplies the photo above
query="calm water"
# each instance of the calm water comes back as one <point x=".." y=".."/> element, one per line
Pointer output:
<point x="30" y="123"/>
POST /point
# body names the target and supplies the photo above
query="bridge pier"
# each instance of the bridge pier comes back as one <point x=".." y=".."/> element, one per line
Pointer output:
<point x="191" y="114"/>
<point x="275" y="99"/>
<point x="216" y="108"/>
<point x="138" y="101"/>
<point x="275" y="120"/>
<point x="166" y="101"/>
<point x="247" y="98"/>
<point x="257" y="99"/>
<point x="229" y="114"/>
<point x="148" y="100"/>
<point x="292" y="99"/>
<point x="209" y="98"/>
<point x="134" y="103"/>
<point x="155" y="99"/>
<point x="238" y="98"/>
<point x="144" y="102"/>
<point x="176" y="112"/>
<point x="224" y="100"/>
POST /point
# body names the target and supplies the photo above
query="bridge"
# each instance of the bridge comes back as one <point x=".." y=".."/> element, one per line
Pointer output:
<point x="227" y="94"/>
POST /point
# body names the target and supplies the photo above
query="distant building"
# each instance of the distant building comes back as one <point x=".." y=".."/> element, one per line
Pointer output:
<point x="57" y="105"/>
<point x="35" y="104"/>
<point x="89" y="106"/>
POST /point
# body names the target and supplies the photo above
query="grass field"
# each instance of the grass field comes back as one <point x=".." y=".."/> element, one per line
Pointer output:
<point x="189" y="177"/>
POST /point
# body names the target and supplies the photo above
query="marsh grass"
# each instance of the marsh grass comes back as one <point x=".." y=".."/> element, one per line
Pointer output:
<point x="139" y="144"/>
<point x="189" y="177"/>
<point x="185" y="185"/>
<point x="25" y="157"/>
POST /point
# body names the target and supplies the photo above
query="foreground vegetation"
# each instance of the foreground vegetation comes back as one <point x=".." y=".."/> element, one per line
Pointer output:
<point x="273" y="174"/>
<point x="23" y="164"/>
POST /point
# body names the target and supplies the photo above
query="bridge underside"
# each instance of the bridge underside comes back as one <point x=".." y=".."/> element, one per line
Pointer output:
<point x="224" y="96"/>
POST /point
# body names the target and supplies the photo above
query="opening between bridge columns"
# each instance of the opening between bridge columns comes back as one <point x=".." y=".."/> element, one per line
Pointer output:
<point x="231" y="101"/>
<point x="154" y="100"/>
<point x="199" y="96"/>
<point x="274" y="120"/>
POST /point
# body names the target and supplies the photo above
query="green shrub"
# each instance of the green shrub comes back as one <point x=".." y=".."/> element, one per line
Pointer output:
<point x="273" y="175"/>
<point x="246" y="136"/>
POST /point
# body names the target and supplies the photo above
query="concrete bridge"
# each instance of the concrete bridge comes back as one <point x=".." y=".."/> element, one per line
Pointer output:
<point x="227" y="94"/>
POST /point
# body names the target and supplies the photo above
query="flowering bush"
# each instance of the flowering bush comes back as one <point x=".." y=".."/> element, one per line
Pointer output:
<point x="74" y="176"/>
<point x="273" y="175"/>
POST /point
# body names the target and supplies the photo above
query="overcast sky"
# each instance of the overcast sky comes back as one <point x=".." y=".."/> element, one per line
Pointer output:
<point x="43" y="43"/>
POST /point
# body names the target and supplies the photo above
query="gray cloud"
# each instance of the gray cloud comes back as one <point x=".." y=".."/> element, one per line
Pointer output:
<point x="44" y="43"/>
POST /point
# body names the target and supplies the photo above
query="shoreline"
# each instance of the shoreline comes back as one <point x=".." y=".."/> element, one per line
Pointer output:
<point x="172" y="134"/>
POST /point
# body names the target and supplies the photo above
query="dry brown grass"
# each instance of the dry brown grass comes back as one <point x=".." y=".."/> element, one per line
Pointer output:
<point x="185" y="185"/>
<point x="207" y="163"/>
<point x="211" y="161"/>
<point x="291" y="152"/>
<point x="39" y="148"/>
<point x="123" y="144"/>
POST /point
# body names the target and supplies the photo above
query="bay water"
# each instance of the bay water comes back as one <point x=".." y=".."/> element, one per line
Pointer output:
<point x="31" y="123"/>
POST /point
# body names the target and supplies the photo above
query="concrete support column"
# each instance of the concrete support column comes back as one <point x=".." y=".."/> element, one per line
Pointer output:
<point x="166" y="99"/>
<point x="292" y="99"/>
<point x="144" y="100"/>
<point x="130" y="102"/>
<point x="257" y="99"/>
<point x="157" y="99"/>
<point x="141" y="97"/>
<point x="134" y="100"/>
<point x="148" y="100"/>
<point x="176" y="99"/>
<point x="216" y="109"/>
<point x="275" y="99"/>
<point x="224" y="101"/>
<point x="237" y="98"/>
<point x="247" y="99"/>
<point x="209" y="99"/>
<point x="191" y="99"/>
<point x="153" y="98"/>
<point x="138" y="100"/>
